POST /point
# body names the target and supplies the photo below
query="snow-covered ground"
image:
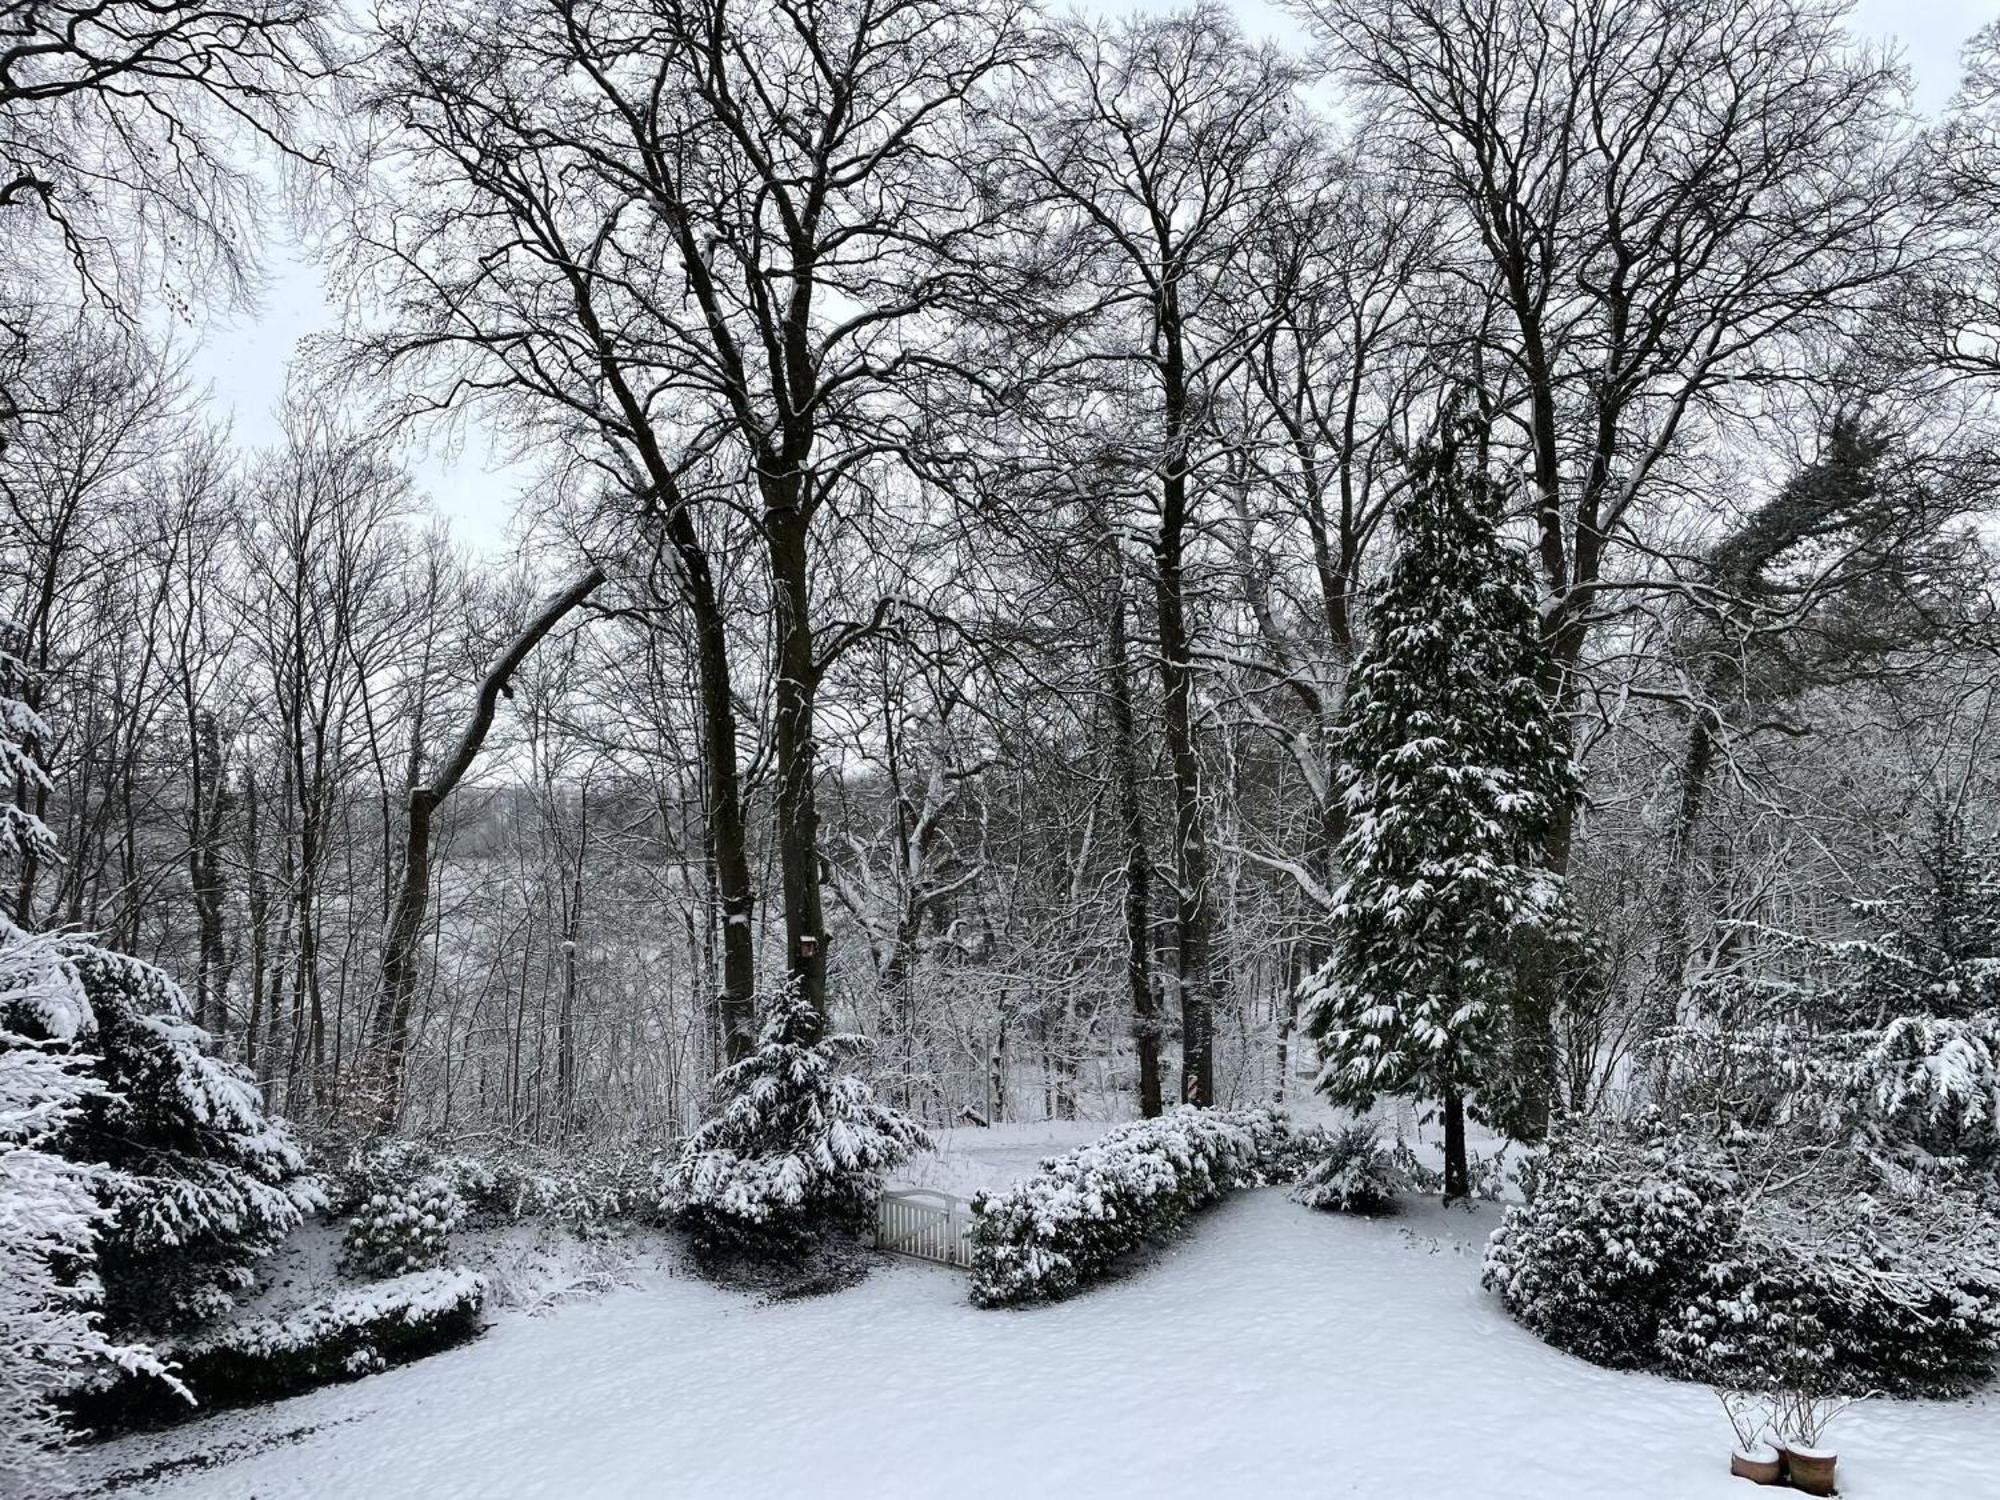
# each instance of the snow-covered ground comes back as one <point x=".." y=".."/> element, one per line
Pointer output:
<point x="967" y="1158"/>
<point x="1272" y="1352"/>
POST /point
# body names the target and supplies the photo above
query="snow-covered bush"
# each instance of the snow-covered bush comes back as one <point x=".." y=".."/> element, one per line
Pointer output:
<point x="797" y="1149"/>
<point x="1282" y="1145"/>
<point x="352" y="1334"/>
<point x="1749" y="1070"/>
<point x="201" y="1181"/>
<point x="1349" y="1171"/>
<point x="356" y="1169"/>
<point x="1617" y="1221"/>
<point x="582" y="1192"/>
<point x="1940" y="954"/>
<point x="1762" y="1262"/>
<point x="401" y="1230"/>
<point x="1073" y="1221"/>
<point x="1853" y="1295"/>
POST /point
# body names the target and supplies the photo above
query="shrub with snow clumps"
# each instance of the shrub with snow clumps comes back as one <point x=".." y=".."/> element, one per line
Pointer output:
<point x="401" y="1230"/>
<point x="1749" y="1263"/>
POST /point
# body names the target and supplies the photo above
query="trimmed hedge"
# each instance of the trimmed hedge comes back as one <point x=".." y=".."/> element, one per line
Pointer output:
<point x="348" y="1336"/>
<point x="1072" y="1223"/>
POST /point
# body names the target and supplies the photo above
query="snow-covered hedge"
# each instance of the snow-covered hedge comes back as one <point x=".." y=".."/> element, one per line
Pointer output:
<point x="350" y="1335"/>
<point x="1736" y="1265"/>
<point x="1072" y="1222"/>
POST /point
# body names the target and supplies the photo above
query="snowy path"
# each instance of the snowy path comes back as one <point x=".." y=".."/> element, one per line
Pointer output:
<point x="1275" y="1352"/>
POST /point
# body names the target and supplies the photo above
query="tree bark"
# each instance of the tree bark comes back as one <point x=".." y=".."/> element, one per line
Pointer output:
<point x="723" y="821"/>
<point x="797" y="803"/>
<point x="1457" y="1175"/>
<point x="1177" y="682"/>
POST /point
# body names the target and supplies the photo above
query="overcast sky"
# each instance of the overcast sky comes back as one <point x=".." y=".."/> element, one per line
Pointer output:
<point x="241" y="358"/>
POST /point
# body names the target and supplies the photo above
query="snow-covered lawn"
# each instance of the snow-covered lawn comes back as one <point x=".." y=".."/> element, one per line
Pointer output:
<point x="966" y="1158"/>
<point x="1272" y="1352"/>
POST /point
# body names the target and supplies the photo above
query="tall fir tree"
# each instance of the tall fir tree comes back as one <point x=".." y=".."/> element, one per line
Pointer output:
<point x="1451" y="767"/>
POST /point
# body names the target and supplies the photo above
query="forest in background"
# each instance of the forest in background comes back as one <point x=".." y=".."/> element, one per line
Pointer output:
<point x="966" y="454"/>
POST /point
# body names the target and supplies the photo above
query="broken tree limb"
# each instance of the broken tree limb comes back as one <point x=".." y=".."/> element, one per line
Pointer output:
<point x="404" y="935"/>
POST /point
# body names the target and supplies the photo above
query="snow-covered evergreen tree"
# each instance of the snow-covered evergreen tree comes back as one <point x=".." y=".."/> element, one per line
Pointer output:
<point x="51" y="1211"/>
<point x="1940" y="957"/>
<point x="1451" y="767"/>
<point x="798" y="1147"/>
<point x="51" y="1208"/>
<point x="203" y="1182"/>
<point x="197" y="1181"/>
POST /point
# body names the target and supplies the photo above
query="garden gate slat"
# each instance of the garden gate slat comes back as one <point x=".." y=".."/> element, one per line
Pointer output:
<point x="926" y="1224"/>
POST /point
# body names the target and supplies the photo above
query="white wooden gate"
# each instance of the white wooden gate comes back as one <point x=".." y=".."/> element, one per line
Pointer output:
<point x="929" y="1225"/>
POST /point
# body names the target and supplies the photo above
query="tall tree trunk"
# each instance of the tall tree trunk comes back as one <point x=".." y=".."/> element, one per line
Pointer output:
<point x="1190" y="841"/>
<point x="723" y="819"/>
<point x="401" y="942"/>
<point x="1177" y="682"/>
<point x="1671" y="957"/>
<point x="797" y="803"/>
<point x="566" y="1092"/>
<point x="1457" y="1174"/>
<point x="208" y="798"/>
<point x="1138" y="863"/>
<point x="260" y="919"/>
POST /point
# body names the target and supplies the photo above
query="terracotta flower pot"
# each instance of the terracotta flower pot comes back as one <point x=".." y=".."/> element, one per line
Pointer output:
<point x="1760" y="1465"/>
<point x="1809" y="1470"/>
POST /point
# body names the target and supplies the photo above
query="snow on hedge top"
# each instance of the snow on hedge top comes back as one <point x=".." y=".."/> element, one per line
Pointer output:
<point x="1069" y="1224"/>
<point x="413" y="1298"/>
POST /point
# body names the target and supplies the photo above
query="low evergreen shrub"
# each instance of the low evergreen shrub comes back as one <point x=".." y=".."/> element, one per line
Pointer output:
<point x="1349" y="1171"/>
<point x="353" y="1334"/>
<point x="1739" y="1265"/>
<point x="401" y="1230"/>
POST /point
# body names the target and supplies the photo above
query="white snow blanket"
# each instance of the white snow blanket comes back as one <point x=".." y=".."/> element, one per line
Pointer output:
<point x="1273" y="1352"/>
